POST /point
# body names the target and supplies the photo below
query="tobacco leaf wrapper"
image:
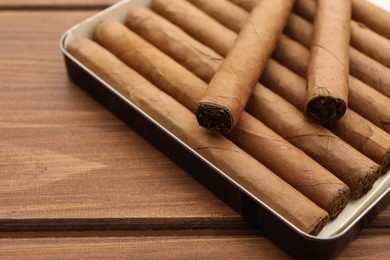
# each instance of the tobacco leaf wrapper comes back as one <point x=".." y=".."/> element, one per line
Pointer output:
<point x="260" y="181"/>
<point x="362" y="38"/>
<point x="230" y="88"/>
<point x="328" y="70"/>
<point x="251" y="135"/>
<point x="362" y="67"/>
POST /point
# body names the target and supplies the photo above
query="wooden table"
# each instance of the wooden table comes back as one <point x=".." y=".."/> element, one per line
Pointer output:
<point x="75" y="181"/>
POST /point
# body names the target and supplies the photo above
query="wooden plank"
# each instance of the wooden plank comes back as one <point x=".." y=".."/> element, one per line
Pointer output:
<point x="58" y="4"/>
<point x="66" y="162"/>
<point x="371" y="244"/>
<point x="144" y="247"/>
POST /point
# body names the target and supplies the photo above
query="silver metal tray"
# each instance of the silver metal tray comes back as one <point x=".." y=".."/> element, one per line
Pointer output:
<point x="332" y="239"/>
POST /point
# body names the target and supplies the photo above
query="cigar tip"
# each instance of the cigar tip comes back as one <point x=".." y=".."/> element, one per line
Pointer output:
<point x="214" y="117"/>
<point x="339" y="203"/>
<point x="319" y="225"/>
<point x="366" y="182"/>
<point x="386" y="162"/>
<point x="326" y="109"/>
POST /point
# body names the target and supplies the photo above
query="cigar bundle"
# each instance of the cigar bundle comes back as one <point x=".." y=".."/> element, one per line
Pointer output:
<point x="250" y="134"/>
<point x="178" y="55"/>
<point x="268" y="107"/>
<point x="273" y="191"/>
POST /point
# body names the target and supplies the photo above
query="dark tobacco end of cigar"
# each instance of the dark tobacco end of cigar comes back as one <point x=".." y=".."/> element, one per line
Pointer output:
<point x="365" y="184"/>
<point x="339" y="203"/>
<point x="386" y="162"/>
<point x="214" y="117"/>
<point x="319" y="225"/>
<point x="326" y="109"/>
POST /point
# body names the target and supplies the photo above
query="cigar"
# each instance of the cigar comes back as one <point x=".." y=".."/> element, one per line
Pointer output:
<point x="230" y="88"/>
<point x="362" y="134"/>
<point x="353" y="139"/>
<point x="214" y="7"/>
<point x="256" y="178"/>
<point x="328" y="69"/>
<point x="178" y="11"/>
<point x="175" y="42"/>
<point x="148" y="24"/>
<point x="362" y="38"/>
<point x="362" y="67"/>
<point x="373" y="16"/>
<point x="299" y="170"/>
<point x="363" y="99"/>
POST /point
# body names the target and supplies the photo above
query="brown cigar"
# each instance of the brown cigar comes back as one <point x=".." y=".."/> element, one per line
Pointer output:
<point x="362" y="38"/>
<point x="230" y="88"/>
<point x="363" y="99"/>
<point x="361" y="66"/>
<point x="269" y="113"/>
<point x="256" y="178"/>
<point x="328" y="70"/>
<point x="374" y="17"/>
<point x="250" y="134"/>
<point x="363" y="135"/>
<point x="178" y="11"/>
<point x="214" y="7"/>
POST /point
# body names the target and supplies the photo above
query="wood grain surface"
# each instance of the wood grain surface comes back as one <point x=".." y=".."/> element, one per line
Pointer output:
<point x="77" y="182"/>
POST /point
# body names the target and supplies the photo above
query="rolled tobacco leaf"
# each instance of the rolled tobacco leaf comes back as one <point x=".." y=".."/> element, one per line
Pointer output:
<point x="229" y="158"/>
<point x="328" y="70"/>
<point x="230" y="88"/>
<point x="290" y="163"/>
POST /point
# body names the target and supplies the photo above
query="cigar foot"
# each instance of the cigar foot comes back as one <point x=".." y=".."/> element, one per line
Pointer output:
<point x="326" y="109"/>
<point x="386" y="162"/>
<point x="339" y="203"/>
<point x="365" y="184"/>
<point x="214" y="117"/>
<point x="320" y="224"/>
